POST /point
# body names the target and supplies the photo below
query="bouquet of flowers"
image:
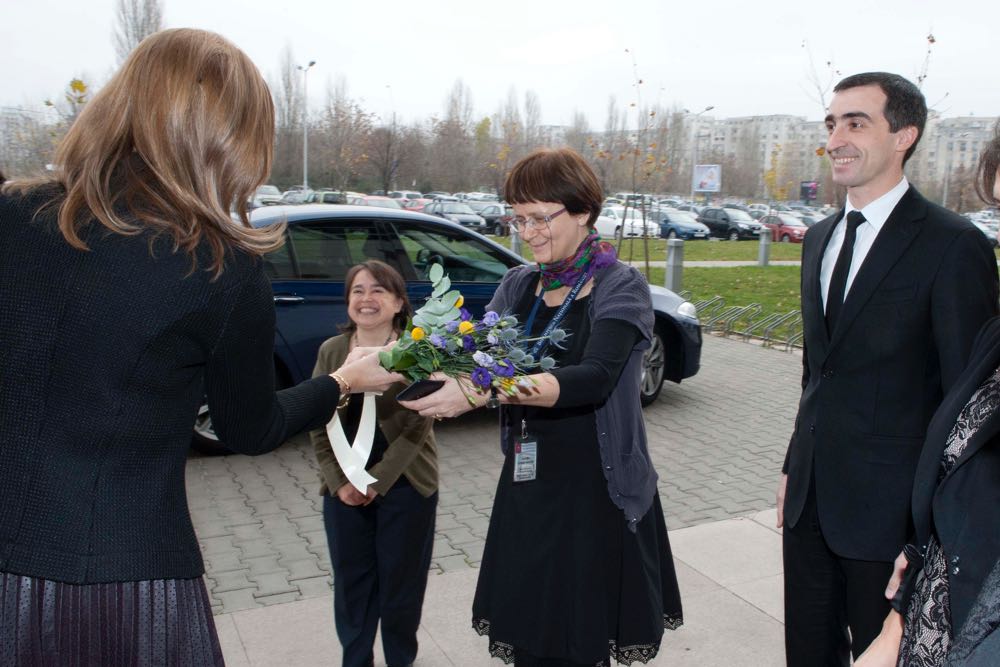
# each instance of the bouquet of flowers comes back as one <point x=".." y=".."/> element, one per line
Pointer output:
<point x="444" y="337"/>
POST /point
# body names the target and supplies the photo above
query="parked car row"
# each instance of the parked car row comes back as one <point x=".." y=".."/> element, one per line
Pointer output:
<point x="322" y="242"/>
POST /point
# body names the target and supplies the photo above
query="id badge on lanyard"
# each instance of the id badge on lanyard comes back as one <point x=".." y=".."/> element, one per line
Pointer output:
<point x="525" y="456"/>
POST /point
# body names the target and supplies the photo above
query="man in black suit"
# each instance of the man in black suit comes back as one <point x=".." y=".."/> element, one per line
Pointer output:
<point x="894" y="289"/>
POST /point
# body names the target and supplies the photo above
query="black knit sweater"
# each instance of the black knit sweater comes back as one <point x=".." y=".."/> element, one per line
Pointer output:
<point x="105" y="356"/>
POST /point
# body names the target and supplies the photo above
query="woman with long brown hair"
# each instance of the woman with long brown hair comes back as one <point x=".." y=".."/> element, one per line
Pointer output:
<point x="129" y="294"/>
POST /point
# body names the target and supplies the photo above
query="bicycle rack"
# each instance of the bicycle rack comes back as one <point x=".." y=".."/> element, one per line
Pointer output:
<point x="791" y="322"/>
<point x="709" y="307"/>
<point x="746" y="313"/>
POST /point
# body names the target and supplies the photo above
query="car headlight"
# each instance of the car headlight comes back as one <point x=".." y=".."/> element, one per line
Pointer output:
<point x="687" y="309"/>
<point x="743" y="225"/>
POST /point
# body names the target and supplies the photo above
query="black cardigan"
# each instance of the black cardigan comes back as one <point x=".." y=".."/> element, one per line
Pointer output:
<point x="105" y="356"/>
<point x="962" y="508"/>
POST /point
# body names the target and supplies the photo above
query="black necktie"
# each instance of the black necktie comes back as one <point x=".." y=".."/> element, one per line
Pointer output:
<point x="838" y="283"/>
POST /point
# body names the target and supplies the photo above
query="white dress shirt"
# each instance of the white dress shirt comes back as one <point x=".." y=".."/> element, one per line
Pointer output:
<point x="876" y="213"/>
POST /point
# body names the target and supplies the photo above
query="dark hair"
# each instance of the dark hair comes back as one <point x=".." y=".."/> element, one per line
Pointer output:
<point x="556" y="175"/>
<point x="989" y="165"/>
<point x="388" y="278"/>
<point x="904" y="105"/>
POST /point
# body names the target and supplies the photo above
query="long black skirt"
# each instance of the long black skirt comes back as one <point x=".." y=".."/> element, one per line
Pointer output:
<point x="160" y="622"/>
<point x="563" y="578"/>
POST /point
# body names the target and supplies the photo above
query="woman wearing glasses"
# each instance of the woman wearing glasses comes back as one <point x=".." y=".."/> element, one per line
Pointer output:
<point x="577" y="567"/>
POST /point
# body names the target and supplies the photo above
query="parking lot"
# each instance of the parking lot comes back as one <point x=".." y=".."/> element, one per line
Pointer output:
<point x="717" y="441"/>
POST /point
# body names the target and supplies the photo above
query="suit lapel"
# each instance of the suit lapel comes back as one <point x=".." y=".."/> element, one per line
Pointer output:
<point x="895" y="237"/>
<point x="812" y="304"/>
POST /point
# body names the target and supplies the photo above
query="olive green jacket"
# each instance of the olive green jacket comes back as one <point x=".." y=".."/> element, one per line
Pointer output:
<point x="412" y="450"/>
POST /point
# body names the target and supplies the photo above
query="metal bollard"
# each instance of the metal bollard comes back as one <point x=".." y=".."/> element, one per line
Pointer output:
<point x="673" y="276"/>
<point x="515" y="241"/>
<point x="764" y="254"/>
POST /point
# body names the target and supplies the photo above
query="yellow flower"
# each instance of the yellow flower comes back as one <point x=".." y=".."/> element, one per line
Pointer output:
<point x="465" y="327"/>
<point x="417" y="333"/>
<point x="460" y="301"/>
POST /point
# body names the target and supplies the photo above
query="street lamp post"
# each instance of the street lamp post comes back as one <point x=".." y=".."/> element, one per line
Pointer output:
<point x="305" y="124"/>
<point x="695" y="137"/>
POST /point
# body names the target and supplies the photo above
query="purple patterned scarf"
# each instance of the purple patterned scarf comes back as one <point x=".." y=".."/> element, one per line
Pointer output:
<point x="592" y="254"/>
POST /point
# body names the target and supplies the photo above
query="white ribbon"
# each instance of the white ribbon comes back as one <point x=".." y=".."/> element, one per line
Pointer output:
<point x="352" y="457"/>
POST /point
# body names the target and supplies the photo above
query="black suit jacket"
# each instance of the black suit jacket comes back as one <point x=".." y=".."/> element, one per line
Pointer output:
<point x="961" y="509"/>
<point x="870" y="387"/>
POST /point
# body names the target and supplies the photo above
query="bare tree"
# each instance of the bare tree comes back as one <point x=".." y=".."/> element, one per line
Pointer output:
<point x="384" y="153"/>
<point x="136" y="20"/>
<point x="532" y="121"/>
<point x="286" y="89"/>
<point x="342" y="140"/>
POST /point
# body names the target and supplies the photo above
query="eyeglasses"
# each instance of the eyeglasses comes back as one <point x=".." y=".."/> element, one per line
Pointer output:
<point x="521" y="224"/>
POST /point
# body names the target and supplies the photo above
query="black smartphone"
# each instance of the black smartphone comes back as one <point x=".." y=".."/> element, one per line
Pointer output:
<point x="419" y="389"/>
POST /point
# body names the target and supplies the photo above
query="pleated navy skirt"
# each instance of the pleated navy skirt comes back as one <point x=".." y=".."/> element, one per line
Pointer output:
<point x="160" y="622"/>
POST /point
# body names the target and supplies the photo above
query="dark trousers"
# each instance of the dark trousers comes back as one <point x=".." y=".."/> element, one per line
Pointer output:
<point x="826" y="595"/>
<point x="380" y="555"/>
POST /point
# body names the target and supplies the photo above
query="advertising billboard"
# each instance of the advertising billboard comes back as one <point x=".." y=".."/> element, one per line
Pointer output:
<point x="706" y="178"/>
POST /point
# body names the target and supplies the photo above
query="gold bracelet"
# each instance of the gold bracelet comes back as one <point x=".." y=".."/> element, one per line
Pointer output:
<point x="345" y="389"/>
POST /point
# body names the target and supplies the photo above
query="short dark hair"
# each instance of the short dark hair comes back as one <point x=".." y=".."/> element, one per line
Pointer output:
<point x="556" y="175"/>
<point x="904" y="105"/>
<point x="989" y="165"/>
<point x="388" y="278"/>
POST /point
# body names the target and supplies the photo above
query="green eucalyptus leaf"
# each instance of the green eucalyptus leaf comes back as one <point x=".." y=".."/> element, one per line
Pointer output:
<point x="442" y="287"/>
<point x="435" y="273"/>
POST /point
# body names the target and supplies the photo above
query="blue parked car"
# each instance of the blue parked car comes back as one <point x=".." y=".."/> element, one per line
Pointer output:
<point x="676" y="224"/>
<point x="324" y="241"/>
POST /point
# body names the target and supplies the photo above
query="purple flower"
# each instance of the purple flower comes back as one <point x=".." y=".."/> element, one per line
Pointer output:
<point x="451" y="327"/>
<point x="503" y="368"/>
<point x="468" y="343"/>
<point x="437" y="340"/>
<point x="465" y="315"/>
<point x="481" y="377"/>
<point x="490" y="318"/>
<point x="492" y="339"/>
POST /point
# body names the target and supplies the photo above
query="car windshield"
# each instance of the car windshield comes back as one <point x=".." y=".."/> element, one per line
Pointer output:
<point x="682" y="216"/>
<point x="455" y="207"/>
<point x="791" y="221"/>
<point x="268" y="190"/>
<point x="738" y="215"/>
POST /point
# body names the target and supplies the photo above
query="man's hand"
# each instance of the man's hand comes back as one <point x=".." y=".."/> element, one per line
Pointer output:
<point x="898" y="568"/>
<point x="780" y="500"/>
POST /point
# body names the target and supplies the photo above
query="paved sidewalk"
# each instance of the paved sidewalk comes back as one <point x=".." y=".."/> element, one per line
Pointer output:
<point x="717" y="441"/>
<point x="730" y="576"/>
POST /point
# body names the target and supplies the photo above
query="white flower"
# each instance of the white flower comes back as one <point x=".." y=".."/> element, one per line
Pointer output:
<point x="482" y="359"/>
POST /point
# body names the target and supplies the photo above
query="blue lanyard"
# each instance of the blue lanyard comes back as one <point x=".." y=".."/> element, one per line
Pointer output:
<point x="556" y="319"/>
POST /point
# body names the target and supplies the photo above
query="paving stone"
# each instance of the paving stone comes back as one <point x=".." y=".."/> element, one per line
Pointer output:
<point x="314" y="586"/>
<point x="216" y="545"/>
<point x="280" y="598"/>
<point x="273" y="584"/>
<point x="236" y="600"/>
<point x="256" y="547"/>
<point x="451" y="563"/>
<point x="259" y="565"/>
<point x="457" y="536"/>
<point x="231" y="581"/>
<point x="305" y="569"/>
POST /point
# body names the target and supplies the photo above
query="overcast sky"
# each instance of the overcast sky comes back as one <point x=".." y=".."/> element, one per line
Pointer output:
<point x="743" y="57"/>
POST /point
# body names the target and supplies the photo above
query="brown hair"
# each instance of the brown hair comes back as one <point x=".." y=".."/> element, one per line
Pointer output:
<point x="989" y="167"/>
<point x="556" y="175"/>
<point x="387" y="277"/>
<point x="182" y="132"/>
